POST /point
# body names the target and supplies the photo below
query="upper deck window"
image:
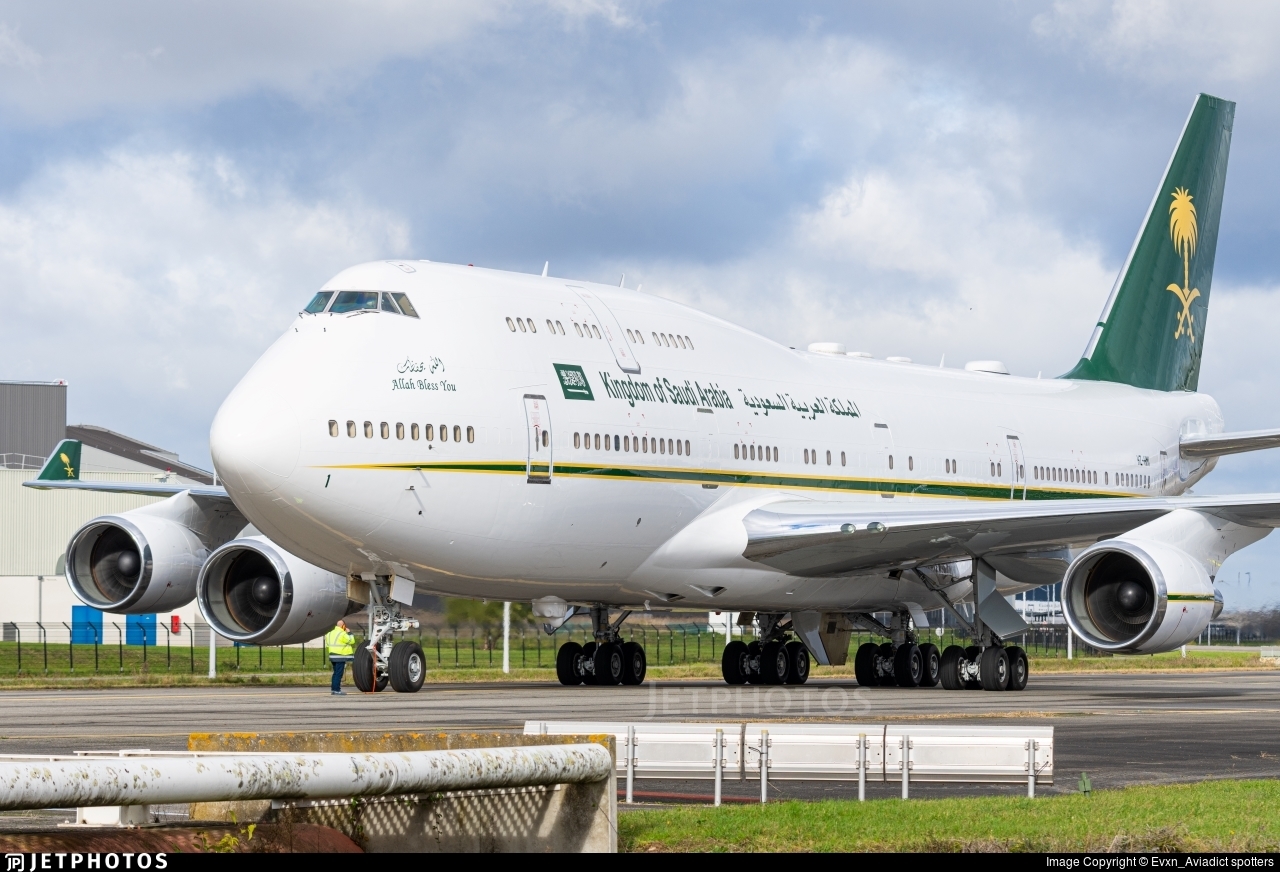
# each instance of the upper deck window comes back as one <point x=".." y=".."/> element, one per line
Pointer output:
<point x="318" y="302"/>
<point x="353" y="301"/>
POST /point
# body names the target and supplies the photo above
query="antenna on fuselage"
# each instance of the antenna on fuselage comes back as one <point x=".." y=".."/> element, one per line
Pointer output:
<point x="545" y="267"/>
<point x="621" y="280"/>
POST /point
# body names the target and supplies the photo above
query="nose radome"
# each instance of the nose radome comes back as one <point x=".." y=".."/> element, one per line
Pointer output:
<point x="255" y="439"/>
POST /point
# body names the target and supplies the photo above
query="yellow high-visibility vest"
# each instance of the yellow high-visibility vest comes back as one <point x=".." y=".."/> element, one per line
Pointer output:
<point x="340" y="643"/>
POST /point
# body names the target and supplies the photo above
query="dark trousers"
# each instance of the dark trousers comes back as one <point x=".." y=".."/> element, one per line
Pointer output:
<point x="339" y="667"/>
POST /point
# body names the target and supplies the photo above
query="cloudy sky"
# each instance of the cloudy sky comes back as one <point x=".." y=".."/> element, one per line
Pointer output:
<point x="916" y="179"/>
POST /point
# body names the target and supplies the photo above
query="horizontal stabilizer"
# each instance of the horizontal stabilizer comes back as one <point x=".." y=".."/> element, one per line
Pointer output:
<point x="1199" y="447"/>
<point x="137" y="488"/>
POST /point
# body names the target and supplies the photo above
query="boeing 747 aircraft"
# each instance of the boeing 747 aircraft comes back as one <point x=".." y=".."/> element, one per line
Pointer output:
<point x="425" y="427"/>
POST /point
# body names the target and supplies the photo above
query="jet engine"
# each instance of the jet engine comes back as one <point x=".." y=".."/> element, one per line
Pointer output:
<point x="1138" y="597"/>
<point x="251" y="590"/>
<point x="134" y="563"/>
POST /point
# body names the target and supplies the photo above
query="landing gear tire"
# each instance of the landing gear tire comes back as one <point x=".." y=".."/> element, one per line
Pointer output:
<point x="755" y="676"/>
<point x="568" y="665"/>
<point x="588" y="656"/>
<point x="733" y="663"/>
<point x="974" y="655"/>
<point x="774" y="668"/>
<point x="908" y="665"/>
<point x="1019" y="669"/>
<point x="932" y="661"/>
<point x="949" y="668"/>
<point x="362" y="670"/>
<point x="864" y="664"/>
<point x="407" y="668"/>
<point x="607" y="659"/>
<point x="634" y="664"/>
<point x="993" y="669"/>
<point x="797" y="662"/>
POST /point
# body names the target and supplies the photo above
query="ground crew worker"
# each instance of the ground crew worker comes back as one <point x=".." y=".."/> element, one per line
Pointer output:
<point x="342" y="649"/>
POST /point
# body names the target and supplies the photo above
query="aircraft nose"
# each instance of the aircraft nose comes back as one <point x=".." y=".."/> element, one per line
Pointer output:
<point x="255" y="439"/>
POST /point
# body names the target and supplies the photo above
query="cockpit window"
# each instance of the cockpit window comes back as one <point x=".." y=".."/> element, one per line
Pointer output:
<point x="318" y="302"/>
<point x="389" y="305"/>
<point x="351" y="301"/>
<point x="405" y="306"/>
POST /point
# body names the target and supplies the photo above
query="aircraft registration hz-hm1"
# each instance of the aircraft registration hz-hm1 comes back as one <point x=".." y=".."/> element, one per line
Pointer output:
<point x="424" y="427"/>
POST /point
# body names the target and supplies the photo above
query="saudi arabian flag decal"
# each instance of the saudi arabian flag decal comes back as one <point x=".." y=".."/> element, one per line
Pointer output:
<point x="573" y="381"/>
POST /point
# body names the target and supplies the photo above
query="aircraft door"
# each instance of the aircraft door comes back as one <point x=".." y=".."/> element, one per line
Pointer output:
<point x="537" y="414"/>
<point x="1018" y="478"/>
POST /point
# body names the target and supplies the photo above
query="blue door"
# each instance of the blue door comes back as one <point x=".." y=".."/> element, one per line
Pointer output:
<point x="86" y="625"/>
<point x="139" y="627"/>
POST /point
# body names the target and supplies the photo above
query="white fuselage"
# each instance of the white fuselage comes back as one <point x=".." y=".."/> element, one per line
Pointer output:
<point x="467" y="518"/>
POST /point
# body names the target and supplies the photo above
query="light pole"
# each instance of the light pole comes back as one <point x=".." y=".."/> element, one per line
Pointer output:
<point x="506" y="638"/>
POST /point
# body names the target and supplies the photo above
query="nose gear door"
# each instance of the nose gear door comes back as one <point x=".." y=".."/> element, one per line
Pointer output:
<point x="539" y="466"/>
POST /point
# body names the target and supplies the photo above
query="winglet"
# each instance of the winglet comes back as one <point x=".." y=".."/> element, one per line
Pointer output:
<point x="63" y="464"/>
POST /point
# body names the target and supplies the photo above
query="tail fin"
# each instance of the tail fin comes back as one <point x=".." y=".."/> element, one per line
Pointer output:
<point x="63" y="464"/>
<point x="1151" y="333"/>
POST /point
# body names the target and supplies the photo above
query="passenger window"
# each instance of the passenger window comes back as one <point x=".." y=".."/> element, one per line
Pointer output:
<point x="689" y="342"/>
<point x="577" y="440"/>
<point x="351" y="429"/>
<point x="828" y="458"/>
<point x="520" y="321"/>
<point x="560" y="328"/>
<point x="579" y="329"/>
<point x="680" y="340"/>
<point x="457" y="433"/>
<point x="911" y="463"/>
<point x="352" y="301"/>
<point x="533" y="328"/>
<point x="413" y="432"/>
<point x="406" y="308"/>
<point x="429" y="432"/>
<point x="551" y="328"/>
<point x="597" y="441"/>
<point x="656" y="340"/>
<point x="735" y="451"/>
<point x="386" y="431"/>
<point x="842" y="461"/>
<point x="626" y="443"/>
<point x="630" y="336"/>
<point x="595" y="330"/>
<point x="688" y="453"/>
<point x="679" y="447"/>
<point x="318" y="302"/>
<point x="444" y="432"/>
<point x="471" y="434"/>
<point x="615" y="443"/>
<point x="399" y="430"/>
<point x="891" y="461"/>
<point x="511" y="325"/>
<point x="546" y="438"/>
<point x="333" y="428"/>
<point x="368" y="429"/>
<point x="388" y="305"/>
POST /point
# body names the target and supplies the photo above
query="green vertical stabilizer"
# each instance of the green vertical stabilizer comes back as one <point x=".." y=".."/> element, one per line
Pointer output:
<point x="1151" y="333"/>
<point x="63" y="464"/>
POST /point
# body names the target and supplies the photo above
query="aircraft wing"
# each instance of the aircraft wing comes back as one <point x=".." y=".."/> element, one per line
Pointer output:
<point x="810" y="538"/>
<point x="134" y="487"/>
<point x="1228" y="443"/>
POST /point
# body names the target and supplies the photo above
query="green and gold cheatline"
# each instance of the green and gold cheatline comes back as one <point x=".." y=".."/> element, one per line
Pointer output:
<point x="746" y="479"/>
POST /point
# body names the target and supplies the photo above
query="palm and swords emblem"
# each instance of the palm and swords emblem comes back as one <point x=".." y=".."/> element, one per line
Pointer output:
<point x="1184" y="232"/>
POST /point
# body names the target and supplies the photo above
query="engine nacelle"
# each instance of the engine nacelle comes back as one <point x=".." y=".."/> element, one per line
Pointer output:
<point x="1137" y="596"/>
<point x="134" y="563"/>
<point x="250" y="590"/>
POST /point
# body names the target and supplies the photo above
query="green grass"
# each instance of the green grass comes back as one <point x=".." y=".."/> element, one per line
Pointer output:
<point x="1214" y="815"/>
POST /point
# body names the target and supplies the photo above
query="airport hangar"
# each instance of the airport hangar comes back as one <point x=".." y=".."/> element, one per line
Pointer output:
<point x="35" y="526"/>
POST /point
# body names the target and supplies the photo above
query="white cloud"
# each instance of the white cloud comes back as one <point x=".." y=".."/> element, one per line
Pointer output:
<point x="58" y="61"/>
<point x="153" y="281"/>
<point x="1165" y="41"/>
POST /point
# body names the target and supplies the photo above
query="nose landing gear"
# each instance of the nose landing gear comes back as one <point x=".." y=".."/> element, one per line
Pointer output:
<point x="379" y="660"/>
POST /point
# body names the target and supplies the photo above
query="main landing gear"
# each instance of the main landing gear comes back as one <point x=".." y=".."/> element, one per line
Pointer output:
<point x="378" y="660"/>
<point x="605" y="661"/>
<point x="773" y="659"/>
<point x="904" y="662"/>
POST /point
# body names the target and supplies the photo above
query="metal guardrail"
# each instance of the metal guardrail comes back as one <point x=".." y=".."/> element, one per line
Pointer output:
<point x="823" y="752"/>
<point x="130" y="779"/>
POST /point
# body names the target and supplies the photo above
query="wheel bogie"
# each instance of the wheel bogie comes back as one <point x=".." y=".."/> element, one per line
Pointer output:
<point x="774" y="668"/>
<point x="908" y="666"/>
<point x="607" y="662"/>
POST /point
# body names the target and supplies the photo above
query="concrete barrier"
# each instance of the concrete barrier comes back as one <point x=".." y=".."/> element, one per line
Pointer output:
<point x="567" y="818"/>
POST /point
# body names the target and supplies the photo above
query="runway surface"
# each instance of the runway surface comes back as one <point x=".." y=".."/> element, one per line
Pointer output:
<point x="1122" y="729"/>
